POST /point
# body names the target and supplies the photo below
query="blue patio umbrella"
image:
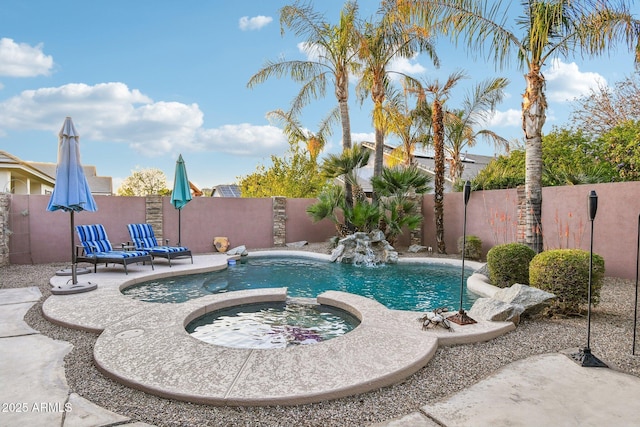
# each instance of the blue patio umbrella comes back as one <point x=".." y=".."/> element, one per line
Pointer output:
<point x="181" y="194"/>
<point x="71" y="192"/>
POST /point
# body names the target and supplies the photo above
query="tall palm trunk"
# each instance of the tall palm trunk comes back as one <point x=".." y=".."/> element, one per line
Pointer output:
<point x="342" y="93"/>
<point x="534" y="107"/>
<point x="379" y="150"/>
<point x="438" y="184"/>
<point x="378" y="95"/>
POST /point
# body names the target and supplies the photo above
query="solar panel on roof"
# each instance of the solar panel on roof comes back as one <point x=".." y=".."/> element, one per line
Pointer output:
<point x="228" y="190"/>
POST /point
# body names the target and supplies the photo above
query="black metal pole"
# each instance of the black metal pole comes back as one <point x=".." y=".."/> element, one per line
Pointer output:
<point x="461" y="318"/>
<point x="584" y="356"/>
<point x="589" y="290"/>
<point x="179" y="226"/>
<point x="74" y="274"/>
<point x="467" y="191"/>
<point x="635" y="312"/>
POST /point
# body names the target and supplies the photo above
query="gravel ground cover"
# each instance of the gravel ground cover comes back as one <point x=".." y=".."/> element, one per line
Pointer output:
<point x="451" y="370"/>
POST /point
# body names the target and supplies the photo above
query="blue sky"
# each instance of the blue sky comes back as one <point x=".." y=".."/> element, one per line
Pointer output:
<point x="147" y="80"/>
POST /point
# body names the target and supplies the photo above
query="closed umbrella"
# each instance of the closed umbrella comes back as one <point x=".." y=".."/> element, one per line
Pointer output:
<point x="71" y="193"/>
<point x="181" y="194"/>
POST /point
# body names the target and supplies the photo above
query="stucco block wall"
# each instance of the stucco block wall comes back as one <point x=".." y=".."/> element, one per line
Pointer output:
<point x="38" y="236"/>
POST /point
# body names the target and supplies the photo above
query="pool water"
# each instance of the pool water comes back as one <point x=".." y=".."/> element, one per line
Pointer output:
<point x="272" y="325"/>
<point x="414" y="287"/>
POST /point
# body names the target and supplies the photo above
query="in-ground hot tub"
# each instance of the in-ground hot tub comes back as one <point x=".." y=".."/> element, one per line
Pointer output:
<point x="266" y="325"/>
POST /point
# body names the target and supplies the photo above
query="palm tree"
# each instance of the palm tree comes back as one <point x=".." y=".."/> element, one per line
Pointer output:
<point x="460" y="125"/>
<point x="439" y="94"/>
<point x="380" y="44"/>
<point x="346" y="166"/>
<point x="404" y="122"/>
<point x="336" y="60"/>
<point x="546" y="28"/>
<point x="314" y="142"/>
<point x="397" y="188"/>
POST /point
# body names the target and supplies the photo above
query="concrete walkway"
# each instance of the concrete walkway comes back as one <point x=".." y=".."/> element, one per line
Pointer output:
<point x="34" y="389"/>
<point x="543" y="390"/>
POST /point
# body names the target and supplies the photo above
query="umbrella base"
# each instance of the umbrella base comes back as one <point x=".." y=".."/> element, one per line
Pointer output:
<point x="67" y="271"/>
<point x="73" y="288"/>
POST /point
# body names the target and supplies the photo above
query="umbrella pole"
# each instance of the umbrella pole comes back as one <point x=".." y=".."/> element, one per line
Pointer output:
<point x="74" y="277"/>
<point x="179" y="226"/>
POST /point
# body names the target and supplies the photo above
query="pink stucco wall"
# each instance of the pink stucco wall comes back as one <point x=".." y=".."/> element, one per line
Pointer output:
<point x="615" y="228"/>
<point x="40" y="236"/>
<point x="244" y="221"/>
<point x="492" y="216"/>
<point x="299" y="224"/>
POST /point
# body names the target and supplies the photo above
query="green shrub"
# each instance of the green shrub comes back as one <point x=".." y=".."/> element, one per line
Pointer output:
<point x="472" y="247"/>
<point x="509" y="264"/>
<point x="565" y="273"/>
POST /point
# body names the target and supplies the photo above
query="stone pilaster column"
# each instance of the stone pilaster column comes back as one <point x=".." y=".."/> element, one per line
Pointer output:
<point x="5" y="205"/>
<point x="416" y="235"/>
<point x="521" y="231"/>
<point x="279" y="221"/>
<point x="153" y="216"/>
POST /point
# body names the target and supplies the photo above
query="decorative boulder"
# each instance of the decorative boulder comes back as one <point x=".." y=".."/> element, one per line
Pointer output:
<point x="337" y="252"/>
<point x="532" y="299"/>
<point x="496" y="311"/>
<point x="238" y="250"/>
<point x="376" y="236"/>
<point x="484" y="270"/>
<point x="297" y="244"/>
<point x="392" y="257"/>
<point x="414" y="249"/>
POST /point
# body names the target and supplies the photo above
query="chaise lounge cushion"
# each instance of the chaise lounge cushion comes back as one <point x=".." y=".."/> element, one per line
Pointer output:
<point x="97" y="248"/>
<point x="95" y="243"/>
<point x="144" y="238"/>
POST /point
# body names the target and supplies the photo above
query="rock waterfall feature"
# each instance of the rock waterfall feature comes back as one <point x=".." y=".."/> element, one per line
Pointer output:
<point x="368" y="249"/>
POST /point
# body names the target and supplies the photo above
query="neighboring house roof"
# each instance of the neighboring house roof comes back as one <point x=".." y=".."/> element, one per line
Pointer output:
<point x="424" y="159"/>
<point x="13" y="163"/>
<point x="99" y="185"/>
<point x="227" y="190"/>
<point x="45" y="173"/>
<point x="195" y="190"/>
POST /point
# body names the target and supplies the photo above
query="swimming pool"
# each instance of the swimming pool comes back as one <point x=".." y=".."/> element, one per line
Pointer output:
<point x="413" y="287"/>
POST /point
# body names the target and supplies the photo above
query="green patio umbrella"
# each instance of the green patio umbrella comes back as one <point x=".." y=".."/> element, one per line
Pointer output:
<point x="181" y="194"/>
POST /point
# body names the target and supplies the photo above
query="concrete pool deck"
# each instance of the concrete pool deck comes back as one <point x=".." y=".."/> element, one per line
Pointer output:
<point x="547" y="389"/>
<point x="145" y="345"/>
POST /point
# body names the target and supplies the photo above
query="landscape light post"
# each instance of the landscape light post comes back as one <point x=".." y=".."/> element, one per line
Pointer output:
<point x="461" y="317"/>
<point x="584" y="356"/>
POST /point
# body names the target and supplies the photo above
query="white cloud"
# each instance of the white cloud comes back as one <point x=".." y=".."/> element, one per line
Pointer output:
<point x="311" y="51"/>
<point x="565" y="82"/>
<point x="257" y="22"/>
<point x="508" y="118"/>
<point x="245" y="140"/>
<point x="357" y="138"/>
<point x="408" y="66"/>
<point x="113" y="113"/>
<point x="22" y="60"/>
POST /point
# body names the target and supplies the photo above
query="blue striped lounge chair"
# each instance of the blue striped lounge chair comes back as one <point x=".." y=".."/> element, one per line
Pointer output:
<point x="97" y="248"/>
<point x="144" y="239"/>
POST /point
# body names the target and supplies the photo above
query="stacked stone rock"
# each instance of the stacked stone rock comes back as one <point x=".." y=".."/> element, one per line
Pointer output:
<point x="5" y="202"/>
<point x="365" y="248"/>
